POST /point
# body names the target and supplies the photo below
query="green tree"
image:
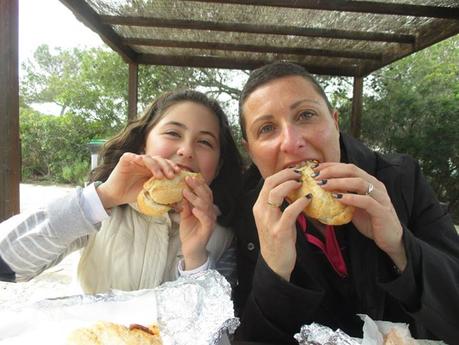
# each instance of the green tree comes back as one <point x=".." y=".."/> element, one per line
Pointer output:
<point x="90" y="87"/>
<point x="413" y="107"/>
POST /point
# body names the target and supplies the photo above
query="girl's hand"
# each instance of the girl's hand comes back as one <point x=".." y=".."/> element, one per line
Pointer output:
<point x="277" y="229"/>
<point x="197" y="221"/>
<point x="127" y="178"/>
<point x="375" y="216"/>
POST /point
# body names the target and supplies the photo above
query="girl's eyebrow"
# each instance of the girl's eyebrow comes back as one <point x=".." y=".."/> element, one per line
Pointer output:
<point x="179" y="124"/>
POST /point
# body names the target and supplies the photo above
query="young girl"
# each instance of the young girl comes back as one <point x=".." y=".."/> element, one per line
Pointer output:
<point x="122" y="248"/>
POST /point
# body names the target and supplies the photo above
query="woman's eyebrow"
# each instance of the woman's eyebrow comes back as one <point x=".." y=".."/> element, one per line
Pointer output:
<point x="305" y="100"/>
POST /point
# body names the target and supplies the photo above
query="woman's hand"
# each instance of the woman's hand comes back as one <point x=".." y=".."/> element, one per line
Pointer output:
<point x="375" y="216"/>
<point x="127" y="178"/>
<point x="197" y="221"/>
<point x="277" y="229"/>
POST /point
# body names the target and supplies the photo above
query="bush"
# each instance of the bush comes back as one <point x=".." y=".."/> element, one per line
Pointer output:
<point x="76" y="173"/>
<point x="55" y="148"/>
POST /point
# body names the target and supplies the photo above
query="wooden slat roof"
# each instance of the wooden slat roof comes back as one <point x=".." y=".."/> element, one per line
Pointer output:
<point x="334" y="37"/>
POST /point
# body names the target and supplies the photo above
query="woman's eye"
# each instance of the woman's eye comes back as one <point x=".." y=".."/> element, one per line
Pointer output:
<point x="265" y="129"/>
<point x="305" y="114"/>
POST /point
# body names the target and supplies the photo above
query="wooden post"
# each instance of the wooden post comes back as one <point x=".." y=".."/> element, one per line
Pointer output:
<point x="10" y="157"/>
<point x="357" y="99"/>
<point x="133" y="91"/>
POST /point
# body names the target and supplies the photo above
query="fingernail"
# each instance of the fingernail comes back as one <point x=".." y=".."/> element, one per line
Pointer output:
<point x="315" y="174"/>
<point x="308" y="196"/>
<point x="322" y="182"/>
<point x="315" y="164"/>
<point x="337" y="195"/>
<point x="298" y="171"/>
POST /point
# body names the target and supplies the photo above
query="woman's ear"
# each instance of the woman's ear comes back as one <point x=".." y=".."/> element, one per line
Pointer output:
<point x="245" y="143"/>
<point x="335" y="116"/>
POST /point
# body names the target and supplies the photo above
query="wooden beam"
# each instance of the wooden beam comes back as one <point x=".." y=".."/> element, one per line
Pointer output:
<point x="133" y="91"/>
<point x="371" y="7"/>
<point x="234" y="63"/>
<point x="434" y="33"/>
<point x="257" y="28"/>
<point x="91" y="19"/>
<point x="253" y="48"/>
<point x="357" y="100"/>
<point x="10" y="156"/>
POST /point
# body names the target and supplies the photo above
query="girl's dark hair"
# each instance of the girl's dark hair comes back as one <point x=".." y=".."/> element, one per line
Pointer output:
<point x="132" y="138"/>
<point x="275" y="70"/>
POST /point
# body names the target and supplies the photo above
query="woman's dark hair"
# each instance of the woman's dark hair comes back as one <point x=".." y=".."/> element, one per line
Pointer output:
<point x="132" y="138"/>
<point x="265" y="74"/>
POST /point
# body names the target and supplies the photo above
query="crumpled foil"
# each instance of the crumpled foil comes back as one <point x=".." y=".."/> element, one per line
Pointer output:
<point x="195" y="309"/>
<point x="316" y="334"/>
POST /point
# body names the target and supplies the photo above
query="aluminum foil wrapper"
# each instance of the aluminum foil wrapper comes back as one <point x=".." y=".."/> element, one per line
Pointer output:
<point x="196" y="309"/>
<point x="316" y="334"/>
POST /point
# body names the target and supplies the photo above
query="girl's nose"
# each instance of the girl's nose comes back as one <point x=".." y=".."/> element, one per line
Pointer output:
<point x="185" y="150"/>
<point x="291" y="139"/>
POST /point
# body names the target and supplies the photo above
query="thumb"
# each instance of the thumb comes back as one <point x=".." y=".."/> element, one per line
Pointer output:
<point x="186" y="209"/>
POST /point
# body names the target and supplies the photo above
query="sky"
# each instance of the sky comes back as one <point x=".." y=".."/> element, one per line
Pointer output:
<point x="50" y="22"/>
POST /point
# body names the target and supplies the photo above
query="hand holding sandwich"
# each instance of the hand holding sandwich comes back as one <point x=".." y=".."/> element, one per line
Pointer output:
<point x="374" y="215"/>
<point x="197" y="221"/>
<point x="127" y="178"/>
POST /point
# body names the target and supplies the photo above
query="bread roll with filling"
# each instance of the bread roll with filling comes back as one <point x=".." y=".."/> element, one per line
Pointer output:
<point x="323" y="206"/>
<point x="159" y="195"/>
<point x="108" y="333"/>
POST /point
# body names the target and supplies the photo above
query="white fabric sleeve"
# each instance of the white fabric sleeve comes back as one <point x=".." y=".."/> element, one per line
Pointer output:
<point x="92" y="205"/>
<point x="181" y="268"/>
<point x="33" y="242"/>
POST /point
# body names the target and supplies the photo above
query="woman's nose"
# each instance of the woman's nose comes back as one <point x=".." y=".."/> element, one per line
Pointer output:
<point x="291" y="139"/>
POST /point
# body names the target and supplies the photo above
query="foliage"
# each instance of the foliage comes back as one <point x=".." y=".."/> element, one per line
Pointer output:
<point x="91" y="84"/>
<point x="52" y="145"/>
<point x="90" y="88"/>
<point x="413" y="107"/>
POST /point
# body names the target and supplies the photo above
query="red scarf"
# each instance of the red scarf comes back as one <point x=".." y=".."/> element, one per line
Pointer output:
<point x="330" y="248"/>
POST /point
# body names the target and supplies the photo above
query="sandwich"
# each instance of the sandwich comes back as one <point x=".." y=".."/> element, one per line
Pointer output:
<point x="108" y="333"/>
<point x="323" y="206"/>
<point x="158" y="196"/>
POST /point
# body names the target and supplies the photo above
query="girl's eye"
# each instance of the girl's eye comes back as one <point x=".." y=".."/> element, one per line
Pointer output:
<point x="173" y="134"/>
<point x="266" y="129"/>
<point x="206" y="142"/>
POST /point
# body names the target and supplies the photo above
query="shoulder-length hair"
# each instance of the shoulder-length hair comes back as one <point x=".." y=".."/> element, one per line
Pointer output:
<point x="132" y="138"/>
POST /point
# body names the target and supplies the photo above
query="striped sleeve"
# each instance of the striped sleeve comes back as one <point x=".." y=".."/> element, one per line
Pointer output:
<point x="31" y="243"/>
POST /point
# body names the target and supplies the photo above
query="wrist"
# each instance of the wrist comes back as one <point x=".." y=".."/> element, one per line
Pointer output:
<point x="105" y="198"/>
<point x="192" y="261"/>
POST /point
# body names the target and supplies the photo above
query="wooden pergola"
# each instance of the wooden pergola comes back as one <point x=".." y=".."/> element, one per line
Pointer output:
<point x="327" y="37"/>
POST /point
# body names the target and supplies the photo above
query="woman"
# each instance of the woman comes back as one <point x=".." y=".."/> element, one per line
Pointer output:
<point x="398" y="260"/>
<point x="122" y="248"/>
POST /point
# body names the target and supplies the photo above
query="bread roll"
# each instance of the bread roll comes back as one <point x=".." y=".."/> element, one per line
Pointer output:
<point x="395" y="338"/>
<point x="158" y="195"/>
<point x="107" y="333"/>
<point x="323" y="206"/>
